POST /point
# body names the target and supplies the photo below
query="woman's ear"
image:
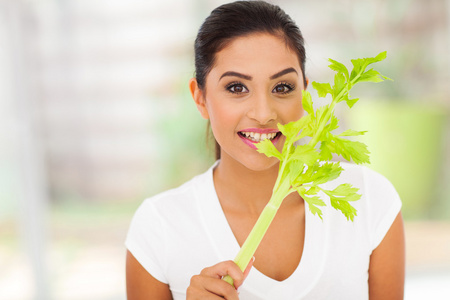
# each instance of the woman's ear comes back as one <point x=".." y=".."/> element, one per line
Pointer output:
<point x="307" y="83"/>
<point x="199" y="99"/>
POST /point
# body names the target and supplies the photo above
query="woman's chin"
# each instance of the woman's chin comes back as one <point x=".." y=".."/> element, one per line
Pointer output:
<point x="255" y="163"/>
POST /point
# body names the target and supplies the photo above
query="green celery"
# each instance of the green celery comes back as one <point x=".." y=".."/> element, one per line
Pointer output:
<point x="303" y="168"/>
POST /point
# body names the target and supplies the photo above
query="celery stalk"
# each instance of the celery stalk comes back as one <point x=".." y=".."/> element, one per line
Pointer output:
<point x="304" y="168"/>
<point x="258" y="231"/>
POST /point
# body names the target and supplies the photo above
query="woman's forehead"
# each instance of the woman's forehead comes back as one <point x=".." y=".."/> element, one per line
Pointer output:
<point x="256" y="52"/>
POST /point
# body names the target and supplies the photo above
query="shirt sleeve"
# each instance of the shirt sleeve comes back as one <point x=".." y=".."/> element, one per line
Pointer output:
<point x="146" y="240"/>
<point x="384" y="204"/>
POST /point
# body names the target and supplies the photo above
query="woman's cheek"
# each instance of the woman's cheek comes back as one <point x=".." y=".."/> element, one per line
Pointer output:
<point x="224" y="118"/>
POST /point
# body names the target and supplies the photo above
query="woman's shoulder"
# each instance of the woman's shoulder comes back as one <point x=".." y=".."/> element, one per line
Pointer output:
<point x="364" y="175"/>
<point x="178" y="197"/>
<point x="379" y="195"/>
<point x="380" y="198"/>
<point x="372" y="183"/>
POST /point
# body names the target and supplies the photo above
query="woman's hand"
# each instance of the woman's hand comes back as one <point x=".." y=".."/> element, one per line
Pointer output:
<point x="209" y="284"/>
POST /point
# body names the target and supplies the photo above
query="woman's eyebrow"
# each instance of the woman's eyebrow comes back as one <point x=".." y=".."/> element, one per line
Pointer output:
<point x="281" y="73"/>
<point x="248" y="77"/>
<point x="232" y="73"/>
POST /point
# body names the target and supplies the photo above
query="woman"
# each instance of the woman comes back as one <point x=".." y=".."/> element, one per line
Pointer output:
<point x="250" y="71"/>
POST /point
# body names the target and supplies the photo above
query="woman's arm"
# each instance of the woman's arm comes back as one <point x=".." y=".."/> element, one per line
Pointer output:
<point x="142" y="285"/>
<point x="387" y="265"/>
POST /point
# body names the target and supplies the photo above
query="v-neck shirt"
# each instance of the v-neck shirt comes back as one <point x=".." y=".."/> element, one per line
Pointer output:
<point x="177" y="233"/>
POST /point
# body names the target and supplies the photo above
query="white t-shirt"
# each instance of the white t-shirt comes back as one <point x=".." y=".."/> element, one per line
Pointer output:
<point x="177" y="233"/>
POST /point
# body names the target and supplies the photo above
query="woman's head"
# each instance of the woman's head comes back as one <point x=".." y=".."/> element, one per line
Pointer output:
<point x="241" y="18"/>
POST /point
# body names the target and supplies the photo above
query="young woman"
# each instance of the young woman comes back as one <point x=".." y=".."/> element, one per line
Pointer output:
<point x="250" y="73"/>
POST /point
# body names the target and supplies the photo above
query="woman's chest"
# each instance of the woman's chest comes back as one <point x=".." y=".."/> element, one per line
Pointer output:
<point x="279" y="253"/>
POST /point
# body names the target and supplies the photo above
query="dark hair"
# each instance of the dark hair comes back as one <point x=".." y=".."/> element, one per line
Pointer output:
<point x="237" y="19"/>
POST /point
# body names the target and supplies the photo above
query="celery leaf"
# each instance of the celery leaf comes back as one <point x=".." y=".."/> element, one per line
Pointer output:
<point x="268" y="148"/>
<point x="306" y="167"/>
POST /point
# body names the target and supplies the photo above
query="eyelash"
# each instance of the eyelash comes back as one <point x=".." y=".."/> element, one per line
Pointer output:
<point x="233" y="84"/>
<point x="290" y="87"/>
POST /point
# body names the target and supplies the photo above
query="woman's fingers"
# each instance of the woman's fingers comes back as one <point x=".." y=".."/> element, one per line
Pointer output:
<point x="249" y="267"/>
<point x="223" y="268"/>
<point x="209" y="284"/>
<point x="214" y="287"/>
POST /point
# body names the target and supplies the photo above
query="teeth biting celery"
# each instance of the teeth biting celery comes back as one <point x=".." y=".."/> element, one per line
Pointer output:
<point x="303" y="168"/>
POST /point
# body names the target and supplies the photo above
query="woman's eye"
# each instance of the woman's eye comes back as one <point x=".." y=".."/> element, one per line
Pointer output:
<point x="237" y="88"/>
<point x="283" y="88"/>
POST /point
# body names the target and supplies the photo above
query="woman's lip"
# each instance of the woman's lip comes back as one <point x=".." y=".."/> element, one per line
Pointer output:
<point x="260" y="130"/>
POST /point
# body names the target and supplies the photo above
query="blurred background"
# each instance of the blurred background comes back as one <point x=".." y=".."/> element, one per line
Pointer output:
<point x="96" y="116"/>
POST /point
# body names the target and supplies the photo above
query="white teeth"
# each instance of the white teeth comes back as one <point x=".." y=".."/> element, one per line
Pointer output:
<point x="258" y="137"/>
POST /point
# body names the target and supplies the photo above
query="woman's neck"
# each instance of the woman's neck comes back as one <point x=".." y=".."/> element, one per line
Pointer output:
<point x="242" y="189"/>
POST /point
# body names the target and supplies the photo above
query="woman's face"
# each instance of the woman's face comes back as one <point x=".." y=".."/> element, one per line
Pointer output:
<point x="255" y="83"/>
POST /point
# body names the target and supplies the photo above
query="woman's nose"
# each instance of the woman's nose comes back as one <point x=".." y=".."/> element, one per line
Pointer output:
<point x="262" y="109"/>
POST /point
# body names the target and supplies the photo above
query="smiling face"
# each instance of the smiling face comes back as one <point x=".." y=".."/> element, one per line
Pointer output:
<point x="255" y="83"/>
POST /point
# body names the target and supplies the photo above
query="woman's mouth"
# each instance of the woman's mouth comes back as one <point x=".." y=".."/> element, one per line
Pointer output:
<point x="253" y="137"/>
